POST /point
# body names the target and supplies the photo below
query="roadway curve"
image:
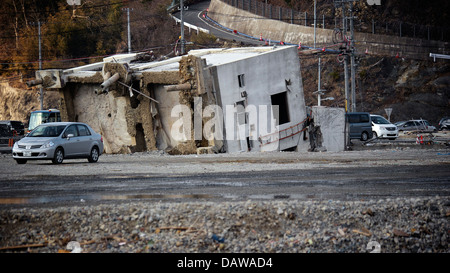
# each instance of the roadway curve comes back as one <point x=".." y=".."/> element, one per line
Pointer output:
<point x="194" y="17"/>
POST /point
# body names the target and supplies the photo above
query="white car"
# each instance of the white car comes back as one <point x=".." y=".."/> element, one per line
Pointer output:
<point x="382" y="128"/>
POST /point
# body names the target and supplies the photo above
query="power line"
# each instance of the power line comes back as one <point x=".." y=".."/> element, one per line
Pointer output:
<point x="80" y="30"/>
<point x="83" y="58"/>
<point x="82" y="7"/>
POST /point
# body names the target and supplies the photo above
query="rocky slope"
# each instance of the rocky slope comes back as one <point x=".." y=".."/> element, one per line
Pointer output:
<point x="17" y="101"/>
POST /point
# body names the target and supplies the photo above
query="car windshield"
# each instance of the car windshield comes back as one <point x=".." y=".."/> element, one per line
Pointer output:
<point x="379" y="120"/>
<point x="47" y="131"/>
<point x="17" y="124"/>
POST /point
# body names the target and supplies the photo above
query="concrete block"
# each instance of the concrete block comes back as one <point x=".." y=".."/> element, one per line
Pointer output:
<point x="332" y="124"/>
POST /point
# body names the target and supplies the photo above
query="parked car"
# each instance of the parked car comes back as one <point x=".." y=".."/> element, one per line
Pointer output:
<point x="360" y="126"/>
<point x="4" y="130"/>
<point x="444" y="124"/>
<point x="57" y="141"/>
<point x="382" y="128"/>
<point x="417" y="125"/>
<point x="400" y="123"/>
<point x="14" y="125"/>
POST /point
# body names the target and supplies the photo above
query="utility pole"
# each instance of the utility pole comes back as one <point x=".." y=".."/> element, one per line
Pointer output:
<point x="41" y="90"/>
<point x="352" y="58"/>
<point x="182" y="27"/>
<point x="315" y="23"/>
<point x="346" y="81"/>
<point x="344" y="34"/>
<point x="319" y="89"/>
<point x="349" y="50"/>
<point x="128" y="28"/>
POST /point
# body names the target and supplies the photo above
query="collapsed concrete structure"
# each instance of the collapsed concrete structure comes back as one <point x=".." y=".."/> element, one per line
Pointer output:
<point x="211" y="100"/>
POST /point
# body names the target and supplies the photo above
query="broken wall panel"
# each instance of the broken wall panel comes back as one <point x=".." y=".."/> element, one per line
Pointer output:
<point x="331" y="122"/>
<point x="106" y="114"/>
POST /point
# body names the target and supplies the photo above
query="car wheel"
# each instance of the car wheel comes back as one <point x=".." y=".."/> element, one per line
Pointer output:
<point x="21" y="161"/>
<point x="375" y="135"/>
<point x="364" y="136"/>
<point x="58" y="157"/>
<point x="93" y="157"/>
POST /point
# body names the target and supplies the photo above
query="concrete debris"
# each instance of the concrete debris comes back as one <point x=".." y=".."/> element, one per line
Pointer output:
<point x="229" y="227"/>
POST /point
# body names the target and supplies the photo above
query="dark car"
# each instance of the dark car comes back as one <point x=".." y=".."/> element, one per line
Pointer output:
<point x="13" y="126"/>
<point x="4" y="130"/>
<point x="444" y="124"/>
<point x="360" y="125"/>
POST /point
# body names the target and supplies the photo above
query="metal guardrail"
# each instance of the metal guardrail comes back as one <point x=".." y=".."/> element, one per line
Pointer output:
<point x="190" y="26"/>
<point x="288" y="132"/>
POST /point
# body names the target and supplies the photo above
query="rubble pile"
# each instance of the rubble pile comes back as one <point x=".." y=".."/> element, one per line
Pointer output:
<point x="392" y="225"/>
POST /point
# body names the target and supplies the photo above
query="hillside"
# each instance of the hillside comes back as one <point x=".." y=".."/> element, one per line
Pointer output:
<point x="17" y="103"/>
<point x="414" y="89"/>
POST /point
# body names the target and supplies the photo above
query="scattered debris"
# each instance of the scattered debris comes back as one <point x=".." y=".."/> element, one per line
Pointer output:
<point x="217" y="238"/>
<point x="363" y="231"/>
<point x="368" y="212"/>
<point x="400" y="233"/>
<point x="19" y="247"/>
<point x="342" y="231"/>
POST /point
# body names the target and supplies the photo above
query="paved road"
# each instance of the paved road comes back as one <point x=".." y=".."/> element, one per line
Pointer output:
<point x="192" y="16"/>
<point x="352" y="175"/>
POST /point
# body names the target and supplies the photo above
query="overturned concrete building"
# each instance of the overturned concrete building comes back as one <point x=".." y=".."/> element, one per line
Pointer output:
<point x="211" y="100"/>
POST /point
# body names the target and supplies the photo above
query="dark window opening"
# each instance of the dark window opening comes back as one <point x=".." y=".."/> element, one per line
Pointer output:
<point x="140" y="139"/>
<point x="134" y="101"/>
<point x="249" y="144"/>
<point x="241" y="80"/>
<point x="291" y="149"/>
<point x="280" y="99"/>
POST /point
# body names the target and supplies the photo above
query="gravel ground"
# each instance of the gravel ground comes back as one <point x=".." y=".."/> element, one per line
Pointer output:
<point x="392" y="225"/>
<point x="254" y="226"/>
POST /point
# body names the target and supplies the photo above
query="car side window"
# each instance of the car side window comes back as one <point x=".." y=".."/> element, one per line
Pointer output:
<point x="83" y="130"/>
<point x="353" y="118"/>
<point x="364" y="118"/>
<point x="72" y="129"/>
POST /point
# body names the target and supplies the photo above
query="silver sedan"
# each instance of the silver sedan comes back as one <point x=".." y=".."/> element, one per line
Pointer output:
<point x="57" y="141"/>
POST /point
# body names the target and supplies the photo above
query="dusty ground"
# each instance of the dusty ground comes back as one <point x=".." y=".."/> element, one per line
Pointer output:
<point x="397" y="198"/>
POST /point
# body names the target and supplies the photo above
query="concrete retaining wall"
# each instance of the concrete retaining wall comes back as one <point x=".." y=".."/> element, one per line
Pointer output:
<point x="255" y="25"/>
